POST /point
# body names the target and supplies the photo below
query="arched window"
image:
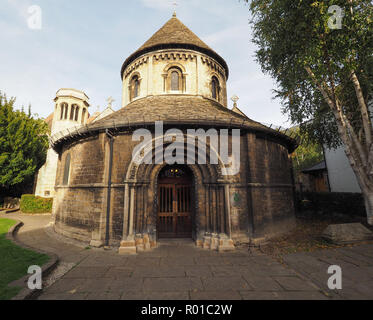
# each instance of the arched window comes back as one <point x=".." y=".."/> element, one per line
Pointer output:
<point x="62" y="106"/>
<point x="72" y="112"/>
<point x="66" y="110"/>
<point x="66" y="172"/>
<point x="175" y="81"/>
<point x="215" y="88"/>
<point x="76" y="113"/>
<point x="83" y="115"/>
<point x="134" y="87"/>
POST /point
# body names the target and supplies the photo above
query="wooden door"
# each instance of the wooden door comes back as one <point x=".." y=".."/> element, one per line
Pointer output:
<point x="175" y="210"/>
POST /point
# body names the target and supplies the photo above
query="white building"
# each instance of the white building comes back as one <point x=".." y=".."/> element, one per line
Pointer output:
<point x="70" y="112"/>
<point x="341" y="176"/>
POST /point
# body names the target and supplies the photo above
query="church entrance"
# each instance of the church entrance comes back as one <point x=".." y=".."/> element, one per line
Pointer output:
<point x="175" y="202"/>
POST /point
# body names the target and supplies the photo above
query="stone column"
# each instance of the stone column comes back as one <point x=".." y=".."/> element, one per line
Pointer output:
<point x="125" y="211"/>
<point x="128" y="244"/>
<point x="198" y="76"/>
<point x="207" y="237"/>
<point x="251" y="178"/>
<point x="222" y="211"/>
<point x="200" y="218"/>
<point x="214" y="209"/>
<point x="150" y="76"/>
<point x="225" y="241"/>
<point x="214" y="241"/>
<point x="228" y="209"/>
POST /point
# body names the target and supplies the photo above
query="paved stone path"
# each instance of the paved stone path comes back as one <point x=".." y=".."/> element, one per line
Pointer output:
<point x="356" y="264"/>
<point x="179" y="270"/>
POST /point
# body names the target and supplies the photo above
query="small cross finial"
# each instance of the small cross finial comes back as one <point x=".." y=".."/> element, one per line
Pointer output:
<point x="110" y="100"/>
<point x="235" y="99"/>
<point x="175" y="4"/>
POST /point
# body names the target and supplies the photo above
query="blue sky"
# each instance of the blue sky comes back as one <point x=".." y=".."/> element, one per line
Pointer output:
<point x="83" y="43"/>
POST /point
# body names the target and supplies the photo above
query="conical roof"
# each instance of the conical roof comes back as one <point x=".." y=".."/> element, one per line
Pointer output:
<point x="174" y="31"/>
<point x="173" y="35"/>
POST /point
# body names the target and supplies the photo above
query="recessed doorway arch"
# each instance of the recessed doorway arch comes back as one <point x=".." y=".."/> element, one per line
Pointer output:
<point x="175" y="208"/>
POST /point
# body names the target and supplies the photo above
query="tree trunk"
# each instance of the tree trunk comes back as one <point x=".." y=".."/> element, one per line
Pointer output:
<point x="365" y="186"/>
<point x="358" y="154"/>
<point x="368" y="197"/>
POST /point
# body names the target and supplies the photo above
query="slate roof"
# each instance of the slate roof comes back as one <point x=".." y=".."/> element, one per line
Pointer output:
<point x="49" y="120"/>
<point x="174" y="35"/>
<point x="317" y="167"/>
<point x="176" y="110"/>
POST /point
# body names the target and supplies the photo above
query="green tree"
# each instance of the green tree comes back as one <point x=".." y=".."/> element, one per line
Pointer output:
<point x="324" y="72"/>
<point x="308" y="152"/>
<point x="23" y="146"/>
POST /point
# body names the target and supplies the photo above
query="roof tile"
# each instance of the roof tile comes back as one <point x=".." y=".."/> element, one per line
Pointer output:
<point x="174" y="33"/>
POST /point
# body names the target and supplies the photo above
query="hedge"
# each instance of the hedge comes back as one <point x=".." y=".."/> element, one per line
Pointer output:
<point x="329" y="203"/>
<point x="33" y="204"/>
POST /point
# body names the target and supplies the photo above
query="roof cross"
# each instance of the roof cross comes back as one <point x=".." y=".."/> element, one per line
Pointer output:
<point x="235" y="99"/>
<point x="110" y="100"/>
<point x="175" y="4"/>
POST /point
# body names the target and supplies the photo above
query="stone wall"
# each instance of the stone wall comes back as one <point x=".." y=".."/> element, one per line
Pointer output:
<point x="46" y="176"/>
<point x="79" y="206"/>
<point x="259" y="200"/>
<point x="198" y="70"/>
<point x="271" y="186"/>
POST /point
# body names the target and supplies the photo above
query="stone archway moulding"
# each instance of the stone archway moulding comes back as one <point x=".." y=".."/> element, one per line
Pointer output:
<point x="129" y="244"/>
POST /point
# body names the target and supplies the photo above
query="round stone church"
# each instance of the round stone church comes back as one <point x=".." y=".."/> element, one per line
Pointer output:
<point x="105" y="196"/>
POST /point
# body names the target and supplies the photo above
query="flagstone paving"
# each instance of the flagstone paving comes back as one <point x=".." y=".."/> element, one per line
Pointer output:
<point x="177" y="270"/>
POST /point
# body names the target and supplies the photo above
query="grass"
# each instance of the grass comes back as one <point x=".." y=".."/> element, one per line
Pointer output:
<point x="14" y="261"/>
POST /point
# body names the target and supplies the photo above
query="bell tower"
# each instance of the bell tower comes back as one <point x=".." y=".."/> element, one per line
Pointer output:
<point x="70" y="111"/>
